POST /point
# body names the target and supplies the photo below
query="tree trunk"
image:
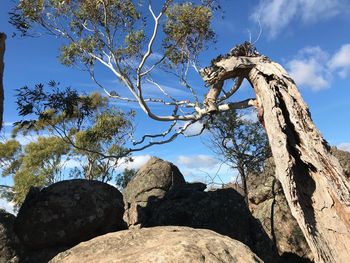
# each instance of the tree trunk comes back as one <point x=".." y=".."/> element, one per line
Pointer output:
<point x="2" y="52"/>
<point x="314" y="184"/>
<point x="313" y="181"/>
<point x="242" y="174"/>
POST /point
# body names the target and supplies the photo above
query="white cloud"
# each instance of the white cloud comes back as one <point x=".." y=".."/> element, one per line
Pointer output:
<point x="194" y="129"/>
<point x="9" y="207"/>
<point x="309" y="69"/>
<point x="250" y="116"/>
<point x="312" y="67"/>
<point x="197" y="161"/>
<point x="8" y="124"/>
<point x="72" y="163"/>
<point x="341" y="61"/>
<point x="345" y="146"/>
<point x="138" y="161"/>
<point x="276" y="15"/>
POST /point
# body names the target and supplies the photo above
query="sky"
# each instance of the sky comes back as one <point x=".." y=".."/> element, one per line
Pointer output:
<point x="311" y="40"/>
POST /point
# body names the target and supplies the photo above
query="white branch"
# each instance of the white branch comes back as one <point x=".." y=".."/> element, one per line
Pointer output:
<point x="150" y="44"/>
<point x="233" y="90"/>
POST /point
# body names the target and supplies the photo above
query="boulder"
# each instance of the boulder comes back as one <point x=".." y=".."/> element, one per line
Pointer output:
<point x="269" y="205"/>
<point x="68" y="212"/>
<point x="152" y="181"/>
<point x="9" y="243"/>
<point x="223" y="211"/>
<point x="159" y="244"/>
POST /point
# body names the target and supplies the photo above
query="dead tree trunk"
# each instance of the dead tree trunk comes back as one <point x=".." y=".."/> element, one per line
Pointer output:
<point x="2" y="52"/>
<point x="314" y="184"/>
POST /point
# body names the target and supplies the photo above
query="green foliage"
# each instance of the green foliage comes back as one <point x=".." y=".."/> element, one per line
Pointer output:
<point x="124" y="178"/>
<point x="9" y="156"/>
<point x="70" y="127"/>
<point x="38" y="163"/>
<point x="94" y="28"/>
<point x="187" y="28"/>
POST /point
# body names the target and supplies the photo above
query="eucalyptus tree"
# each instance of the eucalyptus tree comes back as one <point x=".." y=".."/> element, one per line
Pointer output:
<point x="241" y="142"/>
<point x="135" y="39"/>
<point x="38" y="163"/>
<point x="67" y="127"/>
<point x="95" y="131"/>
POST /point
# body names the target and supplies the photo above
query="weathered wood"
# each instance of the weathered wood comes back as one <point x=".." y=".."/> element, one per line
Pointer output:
<point x="314" y="184"/>
<point x="2" y="52"/>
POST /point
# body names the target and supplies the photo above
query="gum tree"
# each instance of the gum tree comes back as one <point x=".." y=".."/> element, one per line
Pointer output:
<point x="94" y="131"/>
<point x="241" y="142"/>
<point x="136" y="39"/>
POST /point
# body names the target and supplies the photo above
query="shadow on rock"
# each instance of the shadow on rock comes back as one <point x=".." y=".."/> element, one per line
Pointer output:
<point x="223" y="211"/>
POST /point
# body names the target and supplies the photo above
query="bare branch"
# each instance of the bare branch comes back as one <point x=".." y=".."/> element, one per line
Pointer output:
<point x="233" y="89"/>
<point x="150" y="44"/>
<point x="163" y="134"/>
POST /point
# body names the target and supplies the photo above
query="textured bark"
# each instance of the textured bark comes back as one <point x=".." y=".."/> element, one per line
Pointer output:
<point x="314" y="184"/>
<point x="2" y="52"/>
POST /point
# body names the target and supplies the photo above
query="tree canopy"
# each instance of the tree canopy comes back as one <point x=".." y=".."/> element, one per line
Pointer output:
<point x="134" y="40"/>
<point x="80" y="136"/>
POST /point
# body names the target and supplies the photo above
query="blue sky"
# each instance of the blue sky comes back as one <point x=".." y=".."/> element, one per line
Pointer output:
<point x="311" y="40"/>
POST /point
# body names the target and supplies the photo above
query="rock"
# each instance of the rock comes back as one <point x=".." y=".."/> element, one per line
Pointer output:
<point x="41" y="255"/>
<point x="69" y="212"/>
<point x="269" y="205"/>
<point x="223" y="211"/>
<point x="9" y="243"/>
<point x="159" y="244"/>
<point x="344" y="159"/>
<point x="152" y="181"/>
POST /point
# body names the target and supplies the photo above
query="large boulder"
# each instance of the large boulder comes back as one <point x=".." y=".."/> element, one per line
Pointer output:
<point x="269" y="205"/>
<point x="69" y="212"/>
<point x="151" y="182"/>
<point x="223" y="211"/>
<point x="159" y="244"/>
<point x="9" y="243"/>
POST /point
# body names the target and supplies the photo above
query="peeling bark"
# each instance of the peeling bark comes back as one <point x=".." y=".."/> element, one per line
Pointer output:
<point x="2" y="52"/>
<point x="314" y="184"/>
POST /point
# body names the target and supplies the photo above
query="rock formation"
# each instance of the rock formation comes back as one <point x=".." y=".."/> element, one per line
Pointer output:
<point x="9" y="243"/>
<point x="155" y="202"/>
<point x="159" y="244"/>
<point x="268" y="204"/>
<point x="69" y="212"/>
<point x="152" y="181"/>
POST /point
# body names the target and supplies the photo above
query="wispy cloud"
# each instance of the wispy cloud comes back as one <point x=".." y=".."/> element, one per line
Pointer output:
<point x="345" y="146"/>
<point x="8" y="124"/>
<point x="276" y="15"/>
<point x="309" y="68"/>
<point x="192" y="130"/>
<point x="340" y="62"/>
<point x="313" y="68"/>
<point x="197" y="161"/>
<point x="138" y="161"/>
